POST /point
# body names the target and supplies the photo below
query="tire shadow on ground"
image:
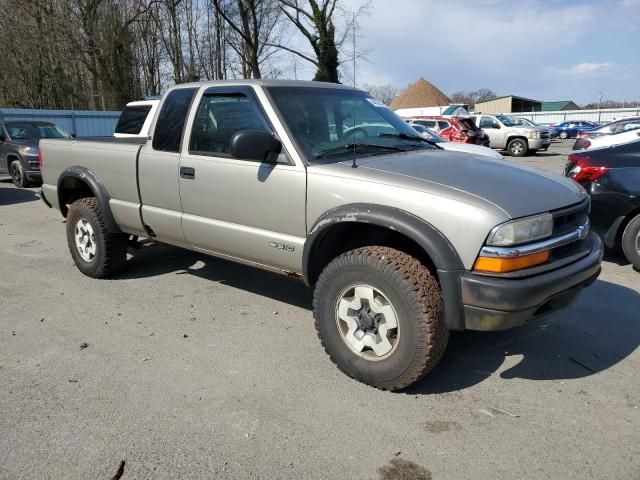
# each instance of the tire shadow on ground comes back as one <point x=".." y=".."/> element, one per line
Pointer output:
<point x="9" y="195"/>
<point x="158" y="259"/>
<point x="594" y="334"/>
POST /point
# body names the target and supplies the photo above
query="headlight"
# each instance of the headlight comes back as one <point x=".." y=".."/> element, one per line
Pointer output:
<point x="30" y="150"/>
<point x="521" y="231"/>
<point x="534" y="134"/>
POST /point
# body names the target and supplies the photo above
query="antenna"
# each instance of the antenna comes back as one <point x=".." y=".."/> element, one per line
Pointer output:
<point x="353" y="26"/>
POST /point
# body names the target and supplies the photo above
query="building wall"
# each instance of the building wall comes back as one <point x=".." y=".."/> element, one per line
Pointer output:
<point x="602" y="116"/>
<point x="81" y="123"/>
<point x="499" y="105"/>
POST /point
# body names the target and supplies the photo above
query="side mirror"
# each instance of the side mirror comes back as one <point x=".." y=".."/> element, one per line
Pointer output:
<point x="255" y="145"/>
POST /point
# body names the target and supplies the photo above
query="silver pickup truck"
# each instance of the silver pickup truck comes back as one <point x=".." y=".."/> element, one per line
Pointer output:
<point x="402" y="241"/>
<point x="512" y="135"/>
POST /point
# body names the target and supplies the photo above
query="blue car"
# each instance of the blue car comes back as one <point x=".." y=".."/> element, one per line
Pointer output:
<point x="570" y="128"/>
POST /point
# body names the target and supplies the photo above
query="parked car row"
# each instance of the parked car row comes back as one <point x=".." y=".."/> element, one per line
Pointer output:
<point x="518" y="137"/>
<point x="570" y="129"/>
<point x="433" y="137"/>
<point x="454" y="129"/>
<point x="614" y="133"/>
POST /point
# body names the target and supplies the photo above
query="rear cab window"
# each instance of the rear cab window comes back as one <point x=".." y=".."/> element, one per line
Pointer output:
<point x="132" y="119"/>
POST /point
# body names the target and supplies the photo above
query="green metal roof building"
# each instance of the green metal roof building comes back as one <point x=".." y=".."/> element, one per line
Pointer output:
<point x="559" y="106"/>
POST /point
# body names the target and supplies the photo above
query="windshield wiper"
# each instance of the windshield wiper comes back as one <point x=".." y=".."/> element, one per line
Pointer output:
<point x="353" y="145"/>
<point x="406" y="136"/>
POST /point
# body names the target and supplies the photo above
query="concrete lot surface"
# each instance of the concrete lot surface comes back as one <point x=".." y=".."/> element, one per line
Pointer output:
<point x="200" y="368"/>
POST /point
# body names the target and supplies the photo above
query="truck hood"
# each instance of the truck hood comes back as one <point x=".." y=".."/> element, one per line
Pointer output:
<point x="522" y="130"/>
<point x="470" y="148"/>
<point x="517" y="190"/>
<point x="28" y="142"/>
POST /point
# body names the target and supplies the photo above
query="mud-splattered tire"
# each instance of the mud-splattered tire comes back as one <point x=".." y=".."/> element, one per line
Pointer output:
<point x="96" y="252"/>
<point x="412" y="291"/>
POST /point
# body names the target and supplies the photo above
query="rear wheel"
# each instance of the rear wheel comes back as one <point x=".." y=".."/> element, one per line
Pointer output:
<point x="517" y="147"/>
<point x="96" y="252"/>
<point x="379" y="315"/>
<point x="18" y="177"/>
<point x="631" y="241"/>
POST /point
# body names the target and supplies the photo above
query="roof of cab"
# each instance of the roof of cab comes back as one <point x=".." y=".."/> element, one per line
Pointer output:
<point x="267" y="83"/>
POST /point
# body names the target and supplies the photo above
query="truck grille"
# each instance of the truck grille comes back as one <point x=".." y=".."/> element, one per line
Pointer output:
<point x="545" y="135"/>
<point x="570" y="218"/>
<point x="565" y="221"/>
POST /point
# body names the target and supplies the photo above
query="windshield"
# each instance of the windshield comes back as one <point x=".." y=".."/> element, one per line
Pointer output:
<point x="525" y="121"/>
<point x="333" y="120"/>
<point x="508" y="121"/>
<point x="34" y="131"/>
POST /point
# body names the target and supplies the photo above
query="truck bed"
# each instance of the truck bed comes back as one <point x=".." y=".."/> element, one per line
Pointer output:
<point x="112" y="160"/>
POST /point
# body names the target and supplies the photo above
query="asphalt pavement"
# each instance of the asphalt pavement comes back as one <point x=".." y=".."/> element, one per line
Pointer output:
<point x="187" y="366"/>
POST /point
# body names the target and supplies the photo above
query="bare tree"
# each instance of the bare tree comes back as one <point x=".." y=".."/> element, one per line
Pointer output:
<point x="315" y="20"/>
<point x="101" y="54"/>
<point x="384" y="93"/>
<point x="253" y="31"/>
<point x="471" y="97"/>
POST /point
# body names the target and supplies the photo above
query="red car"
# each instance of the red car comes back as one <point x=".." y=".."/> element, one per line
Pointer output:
<point x="454" y="129"/>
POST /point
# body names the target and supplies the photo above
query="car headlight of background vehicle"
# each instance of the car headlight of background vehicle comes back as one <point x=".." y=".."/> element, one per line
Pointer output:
<point x="534" y="134"/>
<point x="521" y="231"/>
<point x="30" y="150"/>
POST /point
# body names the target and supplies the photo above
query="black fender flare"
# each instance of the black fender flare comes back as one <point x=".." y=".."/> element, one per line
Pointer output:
<point x="96" y="186"/>
<point x="16" y="154"/>
<point x="435" y="244"/>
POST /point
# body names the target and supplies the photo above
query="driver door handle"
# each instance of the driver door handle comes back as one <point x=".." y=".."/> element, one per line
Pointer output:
<point x="188" y="173"/>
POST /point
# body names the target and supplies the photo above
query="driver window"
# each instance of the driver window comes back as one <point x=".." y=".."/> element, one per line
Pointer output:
<point x="488" y="122"/>
<point x="218" y="118"/>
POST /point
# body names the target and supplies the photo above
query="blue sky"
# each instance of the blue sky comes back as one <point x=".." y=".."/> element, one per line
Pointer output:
<point x="547" y="49"/>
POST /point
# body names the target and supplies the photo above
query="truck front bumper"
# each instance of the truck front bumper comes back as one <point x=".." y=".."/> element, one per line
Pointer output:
<point x="492" y="303"/>
<point x="539" y="143"/>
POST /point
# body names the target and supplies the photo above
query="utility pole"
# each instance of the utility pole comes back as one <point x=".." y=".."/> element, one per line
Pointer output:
<point x="599" y="106"/>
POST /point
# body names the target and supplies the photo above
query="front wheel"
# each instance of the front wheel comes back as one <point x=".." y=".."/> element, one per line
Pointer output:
<point x="96" y="252"/>
<point x="563" y="135"/>
<point x="517" y="147"/>
<point x="631" y="241"/>
<point x="379" y="315"/>
<point x="18" y="177"/>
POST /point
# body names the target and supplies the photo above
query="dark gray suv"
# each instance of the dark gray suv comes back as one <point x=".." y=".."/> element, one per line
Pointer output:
<point x="19" y="149"/>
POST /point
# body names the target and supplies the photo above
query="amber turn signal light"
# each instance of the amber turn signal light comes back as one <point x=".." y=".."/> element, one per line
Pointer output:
<point x="503" y="265"/>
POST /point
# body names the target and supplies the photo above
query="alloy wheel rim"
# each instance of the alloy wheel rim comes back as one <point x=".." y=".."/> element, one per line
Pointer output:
<point x="367" y="322"/>
<point x="516" y="148"/>
<point x="638" y="242"/>
<point x="85" y="240"/>
<point x="15" y="174"/>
